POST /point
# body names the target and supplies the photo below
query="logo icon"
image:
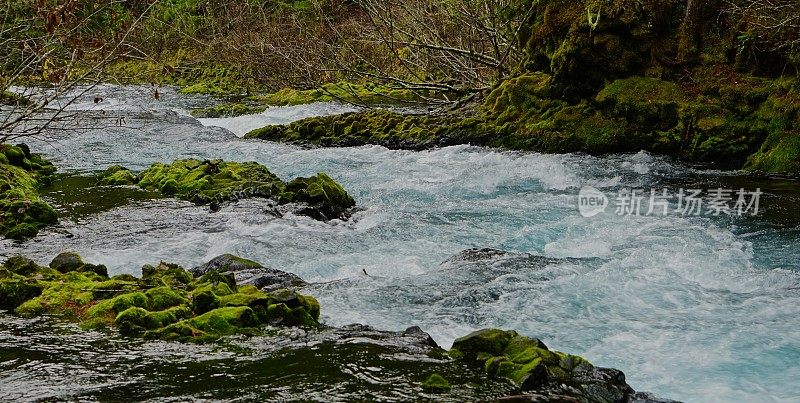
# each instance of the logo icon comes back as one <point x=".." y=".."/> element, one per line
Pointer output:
<point x="591" y="201"/>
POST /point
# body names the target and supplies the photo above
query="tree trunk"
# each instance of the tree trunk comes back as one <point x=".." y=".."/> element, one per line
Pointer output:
<point x="689" y="35"/>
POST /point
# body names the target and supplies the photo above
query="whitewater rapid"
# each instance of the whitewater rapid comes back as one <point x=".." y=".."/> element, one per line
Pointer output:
<point x="690" y="308"/>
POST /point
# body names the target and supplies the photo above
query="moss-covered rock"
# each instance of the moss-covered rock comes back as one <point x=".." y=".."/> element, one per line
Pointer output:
<point x="325" y="198"/>
<point x="377" y="126"/>
<point x="167" y="302"/>
<point x="435" y="384"/>
<point x="533" y="367"/>
<point x="22" y="213"/>
<point x="116" y="176"/>
<point x="209" y="181"/>
<point x="217" y="181"/>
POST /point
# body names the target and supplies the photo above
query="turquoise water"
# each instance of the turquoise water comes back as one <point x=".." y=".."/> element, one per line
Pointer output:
<point x="697" y="308"/>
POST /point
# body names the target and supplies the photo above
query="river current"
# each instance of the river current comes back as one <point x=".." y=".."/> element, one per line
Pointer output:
<point x="695" y="308"/>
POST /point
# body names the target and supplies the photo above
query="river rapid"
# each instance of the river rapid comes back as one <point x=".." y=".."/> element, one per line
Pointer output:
<point x="695" y="308"/>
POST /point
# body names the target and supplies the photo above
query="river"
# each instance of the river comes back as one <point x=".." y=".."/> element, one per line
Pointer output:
<point x="696" y="308"/>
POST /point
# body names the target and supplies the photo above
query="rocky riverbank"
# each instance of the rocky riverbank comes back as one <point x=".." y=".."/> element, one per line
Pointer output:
<point x="22" y="213"/>
<point x="234" y="296"/>
<point x="635" y="79"/>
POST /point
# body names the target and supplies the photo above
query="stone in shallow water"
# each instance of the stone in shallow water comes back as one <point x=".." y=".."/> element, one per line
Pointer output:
<point x="249" y="272"/>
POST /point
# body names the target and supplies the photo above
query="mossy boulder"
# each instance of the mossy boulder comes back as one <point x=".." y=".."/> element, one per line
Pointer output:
<point x="116" y="175"/>
<point x="325" y="198"/>
<point x="436" y="384"/>
<point x="216" y="181"/>
<point x="166" y="303"/>
<point x="210" y="181"/>
<point x="530" y="365"/>
<point x="22" y="213"/>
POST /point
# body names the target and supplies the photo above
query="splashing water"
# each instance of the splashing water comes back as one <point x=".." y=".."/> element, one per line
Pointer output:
<point x="694" y="308"/>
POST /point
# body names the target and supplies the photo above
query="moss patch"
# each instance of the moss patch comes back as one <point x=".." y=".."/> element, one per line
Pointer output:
<point x="436" y="384"/>
<point x="227" y="110"/>
<point x="217" y="181"/>
<point x="22" y="213"/>
<point x="525" y="361"/>
<point x="166" y="303"/>
<point x="364" y="94"/>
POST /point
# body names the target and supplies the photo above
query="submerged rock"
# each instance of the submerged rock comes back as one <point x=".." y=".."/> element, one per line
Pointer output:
<point x="249" y="272"/>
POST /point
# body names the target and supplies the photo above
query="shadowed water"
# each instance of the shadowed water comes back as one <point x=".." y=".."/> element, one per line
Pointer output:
<point x="694" y="308"/>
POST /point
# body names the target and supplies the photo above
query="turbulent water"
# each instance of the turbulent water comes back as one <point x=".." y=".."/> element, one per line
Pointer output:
<point x="694" y="308"/>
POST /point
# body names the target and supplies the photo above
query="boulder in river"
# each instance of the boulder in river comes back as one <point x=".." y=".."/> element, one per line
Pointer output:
<point x="213" y="182"/>
<point x="249" y="272"/>
<point x="166" y="303"/>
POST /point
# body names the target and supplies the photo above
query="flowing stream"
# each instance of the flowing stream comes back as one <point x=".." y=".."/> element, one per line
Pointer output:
<point x="691" y="308"/>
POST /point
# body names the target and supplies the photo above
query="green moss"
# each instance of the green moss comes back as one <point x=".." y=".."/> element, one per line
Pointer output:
<point x="376" y="126"/>
<point x="436" y="384"/>
<point x="166" y="274"/>
<point x="116" y="176"/>
<point x="69" y="296"/>
<point x="642" y="100"/>
<point x="15" y="291"/>
<point x="321" y="193"/>
<point x="525" y="361"/>
<point x="168" y="303"/>
<point x="137" y="320"/>
<point x="214" y="182"/>
<point x="211" y="181"/>
<point x="226" y="110"/>
<point x="22" y="213"/>
<point x="779" y="154"/>
<point x="161" y="298"/>
<point x="363" y="94"/>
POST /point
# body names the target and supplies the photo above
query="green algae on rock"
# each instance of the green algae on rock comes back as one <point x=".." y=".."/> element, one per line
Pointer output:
<point x="22" y="212"/>
<point x="376" y="126"/>
<point x="166" y="303"/>
<point x="436" y="384"/>
<point x="203" y="182"/>
<point x="217" y="181"/>
<point x="530" y="365"/>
